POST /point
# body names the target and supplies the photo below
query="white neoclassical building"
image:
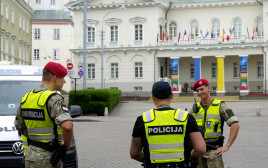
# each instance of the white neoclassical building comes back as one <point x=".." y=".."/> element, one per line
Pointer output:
<point x="181" y="41"/>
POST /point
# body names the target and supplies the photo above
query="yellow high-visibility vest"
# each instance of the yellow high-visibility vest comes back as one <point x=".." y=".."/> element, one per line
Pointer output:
<point x="39" y="125"/>
<point x="207" y="120"/>
<point x="165" y="132"/>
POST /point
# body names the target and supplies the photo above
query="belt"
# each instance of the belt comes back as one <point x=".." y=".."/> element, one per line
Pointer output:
<point x="170" y="165"/>
<point x="45" y="146"/>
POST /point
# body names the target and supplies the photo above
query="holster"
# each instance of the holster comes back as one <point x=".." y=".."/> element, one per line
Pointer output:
<point x="58" y="153"/>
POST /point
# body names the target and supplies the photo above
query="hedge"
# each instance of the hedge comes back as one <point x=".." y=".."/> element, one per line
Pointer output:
<point x="95" y="100"/>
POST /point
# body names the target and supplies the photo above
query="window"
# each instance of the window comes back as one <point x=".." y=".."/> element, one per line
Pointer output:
<point x="236" y="88"/>
<point x="114" y="70"/>
<point x="259" y="27"/>
<point x="2" y="45"/>
<point x="91" y="34"/>
<point x="194" y="29"/>
<point x="238" y="28"/>
<point x="52" y="2"/>
<point x="20" y="21"/>
<point x="12" y="50"/>
<point x="91" y="71"/>
<point x="260" y="69"/>
<point x="259" y="88"/>
<point x="6" y="48"/>
<point x="56" y="54"/>
<point x="172" y="30"/>
<point x="36" y="54"/>
<point x="37" y="34"/>
<point x="27" y="27"/>
<point x="138" y="32"/>
<point x="214" y="88"/>
<point x="192" y="70"/>
<point x="114" y="33"/>
<point x="236" y="70"/>
<point x="214" y="70"/>
<point x="138" y="69"/>
<point x="38" y="1"/>
<point x="161" y="32"/>
<point x="12" y="15"/>
<point x="23" y="23"/>
<point x="215" y="28"/>
<point x="56" y="34"/>
<point x="137" y="88"/>
<point x="2" y="7"/>
<point x="7" y="11"/>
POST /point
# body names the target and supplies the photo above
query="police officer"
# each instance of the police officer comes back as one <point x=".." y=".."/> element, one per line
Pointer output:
<point x="210" y="115"/>
<point x="161" y="137"/>
<point x="43" y="117"/>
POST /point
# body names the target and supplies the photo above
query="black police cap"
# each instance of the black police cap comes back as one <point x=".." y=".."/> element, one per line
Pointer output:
<point x="161" y="90"/>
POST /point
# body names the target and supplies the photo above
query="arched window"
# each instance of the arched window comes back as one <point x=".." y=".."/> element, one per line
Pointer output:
<point x="259" y="27"/>
<point x="194" y="29"/>
<point x="238" y="28"/>
<point x="215" y="28"/>
<point x="172" y="30"/>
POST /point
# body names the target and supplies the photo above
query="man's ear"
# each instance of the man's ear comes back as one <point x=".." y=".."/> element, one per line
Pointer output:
<point x="171" y="97"/>
<point x="153" y="98"/>
<point x="209" y="87"/>
<point x="54" y="78"/>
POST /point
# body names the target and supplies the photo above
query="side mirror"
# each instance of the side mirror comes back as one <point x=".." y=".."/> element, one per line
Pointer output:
<point x="75" y="111"/>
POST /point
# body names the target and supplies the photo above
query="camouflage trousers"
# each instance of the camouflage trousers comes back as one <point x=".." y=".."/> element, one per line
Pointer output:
<point x="210" y="160"/>
<point x="41" y="164"/>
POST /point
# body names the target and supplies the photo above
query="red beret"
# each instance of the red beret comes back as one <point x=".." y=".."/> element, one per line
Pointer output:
<point x="57" y="69"/>
<point x="200" y="82"/>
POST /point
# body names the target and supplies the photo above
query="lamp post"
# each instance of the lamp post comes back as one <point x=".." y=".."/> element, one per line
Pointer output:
<point x="102" y="38"/>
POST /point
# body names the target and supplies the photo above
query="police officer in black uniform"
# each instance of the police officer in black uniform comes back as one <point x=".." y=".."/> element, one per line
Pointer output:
<point x="162" y="137"/>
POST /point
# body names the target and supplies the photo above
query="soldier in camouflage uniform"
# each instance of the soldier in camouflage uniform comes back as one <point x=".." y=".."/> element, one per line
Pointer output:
<point x="53" y="79"/>
<point x="210" y="115"/>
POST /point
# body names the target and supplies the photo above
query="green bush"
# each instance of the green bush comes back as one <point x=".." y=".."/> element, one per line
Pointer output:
<point x="95" y="101"/>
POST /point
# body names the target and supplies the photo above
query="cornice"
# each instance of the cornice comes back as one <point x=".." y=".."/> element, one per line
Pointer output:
<point x="177" y="47"/>
<point x="25" y="7"/>
<point x="165" y="4"/>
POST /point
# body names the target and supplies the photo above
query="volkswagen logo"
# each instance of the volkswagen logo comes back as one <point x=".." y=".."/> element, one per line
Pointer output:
<point x="17" y="148"/>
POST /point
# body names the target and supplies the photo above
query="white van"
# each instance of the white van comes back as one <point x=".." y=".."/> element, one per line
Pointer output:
<point x="15" y="82"/>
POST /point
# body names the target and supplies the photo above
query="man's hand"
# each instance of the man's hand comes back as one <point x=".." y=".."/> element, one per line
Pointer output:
<point x="221" y="150"/>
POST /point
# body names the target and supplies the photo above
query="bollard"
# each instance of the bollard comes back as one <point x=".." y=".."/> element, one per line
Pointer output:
<point x="106" y="111"/>
<point x="258" y="111"/>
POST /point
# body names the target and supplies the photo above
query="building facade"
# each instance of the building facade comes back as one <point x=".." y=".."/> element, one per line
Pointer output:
<point x="52" y="39"/>
<point x="15" y="31"/>
<point x="214" y="39"/>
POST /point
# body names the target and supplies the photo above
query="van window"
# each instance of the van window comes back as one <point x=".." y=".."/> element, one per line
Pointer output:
<point x="11" y="93"/>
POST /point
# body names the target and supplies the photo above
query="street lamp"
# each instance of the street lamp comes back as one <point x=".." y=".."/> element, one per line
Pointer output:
<point x="113" y="10"/>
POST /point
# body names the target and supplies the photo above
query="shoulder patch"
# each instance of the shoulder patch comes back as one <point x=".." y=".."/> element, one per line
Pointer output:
<point x="64" y="107"/>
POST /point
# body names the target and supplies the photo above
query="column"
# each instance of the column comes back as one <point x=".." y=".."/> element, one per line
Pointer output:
<point x="220" y="76"/>
<point x="265" y="71"/>
<point x="197" y="67"/>
<point x="243" y="75"/>
<point x="175" y="75"/>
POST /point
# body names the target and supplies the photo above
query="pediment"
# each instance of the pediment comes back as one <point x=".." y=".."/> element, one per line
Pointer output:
<point x="137" y="20"/>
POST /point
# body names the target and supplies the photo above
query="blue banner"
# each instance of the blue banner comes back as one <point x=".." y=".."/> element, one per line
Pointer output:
<point x="175" y="74"/>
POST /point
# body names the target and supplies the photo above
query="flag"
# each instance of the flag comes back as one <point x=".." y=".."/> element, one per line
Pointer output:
<point x="206" y="35"/>
<point x="256" y="29"/>
<point x="163" y="37"/>
<point x="157" y="37"/>
<point x="223" y="35"/>
<point x="253" y="34"/>
<point x="211" y="34"/>
<point x="232" y="31"/>
<point x="189" y="36"/>
<point x="184" y="34"/>
<point x="179" y="37"/>
<point x="167" y="36"/>
<point x="201" y="34"/>
<point x="228" y="38"/>
<point x="248" y="32"/>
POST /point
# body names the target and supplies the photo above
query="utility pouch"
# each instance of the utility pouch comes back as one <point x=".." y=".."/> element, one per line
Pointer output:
<point x="58" y="153"/>
<point x="195" y="108"/>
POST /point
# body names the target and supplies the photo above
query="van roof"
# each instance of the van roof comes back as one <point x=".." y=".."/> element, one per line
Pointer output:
<point x="20" y="70"/>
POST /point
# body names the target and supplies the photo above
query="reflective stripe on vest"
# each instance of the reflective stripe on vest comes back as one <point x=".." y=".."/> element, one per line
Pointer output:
<point x="212" y="117"/>
<point x="167" y="156"/>
<point x="166" y="146"/>
<point x="39" y="125"/>
<point x="165" y="132"/>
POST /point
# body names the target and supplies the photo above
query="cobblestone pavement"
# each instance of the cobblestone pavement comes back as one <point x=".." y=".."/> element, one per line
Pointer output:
<point x="104" y="142"/>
